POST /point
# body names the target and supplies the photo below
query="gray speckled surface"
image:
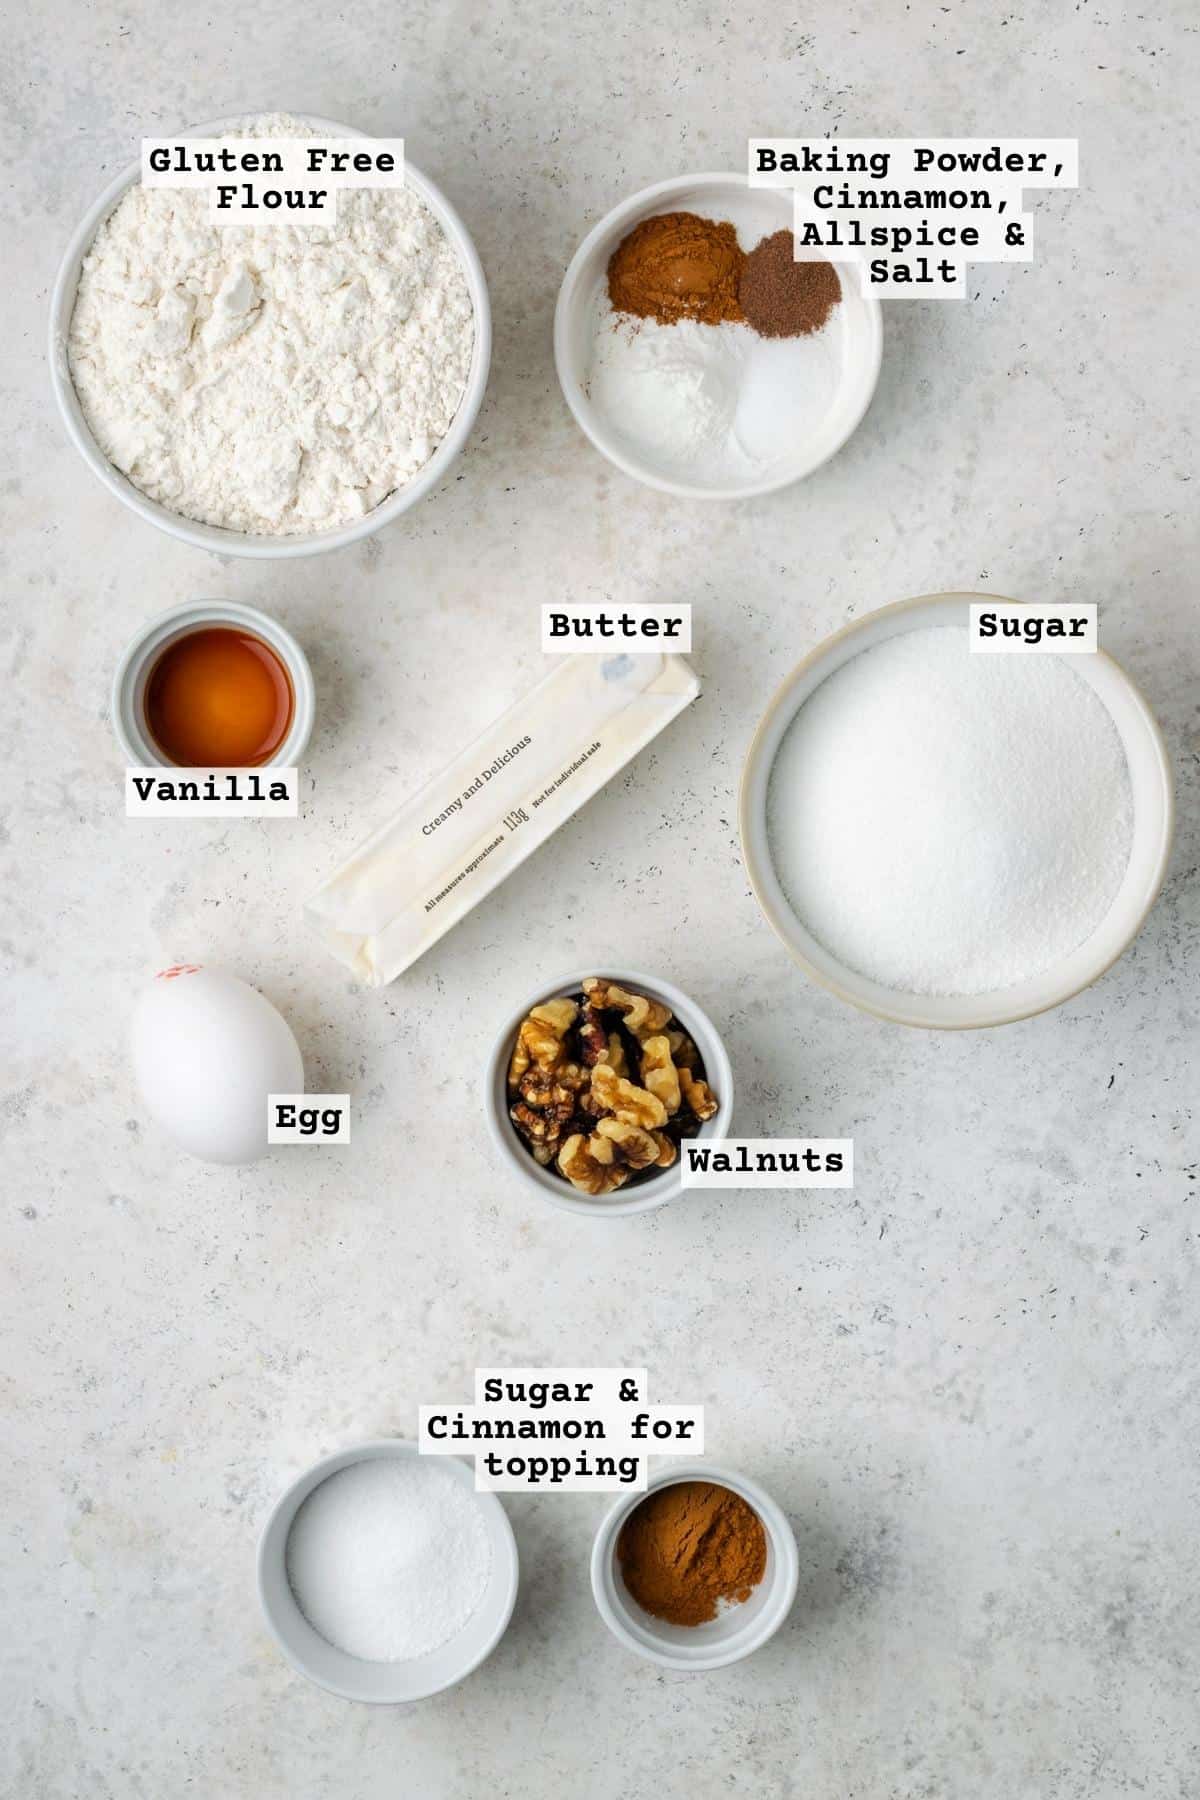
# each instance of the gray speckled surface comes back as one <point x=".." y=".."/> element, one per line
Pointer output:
<point x="972" y="1382"/>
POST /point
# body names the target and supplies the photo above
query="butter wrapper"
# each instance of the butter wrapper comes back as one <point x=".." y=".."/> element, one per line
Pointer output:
<point x="495" y="804"/>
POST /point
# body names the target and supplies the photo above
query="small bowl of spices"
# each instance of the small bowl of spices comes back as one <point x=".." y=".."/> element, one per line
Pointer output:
<point x="699" y="355"/>
<point x="213" y="685"/>
<point x="697" y="1572"/>
<point x="383" y="1576"/>
<point x="594" y="1084"/>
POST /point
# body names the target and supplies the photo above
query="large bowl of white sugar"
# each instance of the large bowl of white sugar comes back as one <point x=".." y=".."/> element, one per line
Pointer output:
<point x="949" y="838"/>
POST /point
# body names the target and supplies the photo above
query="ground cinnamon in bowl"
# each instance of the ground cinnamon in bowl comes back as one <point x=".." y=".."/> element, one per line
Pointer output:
<point x="785" y="298"/>
<point x="678" y="266"/>
<point x="689" y="1546"/>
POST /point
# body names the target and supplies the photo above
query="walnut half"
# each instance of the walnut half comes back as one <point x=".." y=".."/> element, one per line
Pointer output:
<point x="638" y="1148"/>
<point x="697" y="1095"/>
<point x="586" y="1172"/>
<point x="540" y="1039"/>
<point x="659" y="1074"/>
<point x="642" y="1015"/>
<point x="612" y="1093"/>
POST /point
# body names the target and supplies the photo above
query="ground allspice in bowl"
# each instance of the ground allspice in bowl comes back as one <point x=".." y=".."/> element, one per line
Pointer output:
<point x="688" y="1547"/>
<point x="782" y="297"/>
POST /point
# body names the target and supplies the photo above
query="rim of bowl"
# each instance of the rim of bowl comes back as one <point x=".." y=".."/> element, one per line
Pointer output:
<point x="755" y="1634"/>
<point x="586" y="415"/>
<point x="288" y="1505"/>
<point x="647" y="1194"/>
<point x="846" y="985"/>
<point x="137" y="747"/>
<point x="216" y="538"/>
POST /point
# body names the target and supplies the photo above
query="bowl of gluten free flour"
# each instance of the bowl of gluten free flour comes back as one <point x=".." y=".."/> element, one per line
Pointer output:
<point x="698" y="355"/>
<point x="383" y="1576"/>
<point x="274" y="389"/>
<point x="953" y="839"/>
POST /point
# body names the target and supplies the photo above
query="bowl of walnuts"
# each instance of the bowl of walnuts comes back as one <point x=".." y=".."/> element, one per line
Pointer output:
<point x="597" y="1081"/>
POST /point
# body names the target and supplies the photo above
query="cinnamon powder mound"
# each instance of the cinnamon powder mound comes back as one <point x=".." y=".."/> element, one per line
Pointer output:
<point x="785" y="298"/>
<point x="678" y="266"/>
<point x="689" y="1546"/>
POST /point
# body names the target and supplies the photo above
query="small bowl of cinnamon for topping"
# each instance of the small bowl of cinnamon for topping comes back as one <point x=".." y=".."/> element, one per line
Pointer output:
<point x="697" y="1572"/>
<point x="594" y="1084"/>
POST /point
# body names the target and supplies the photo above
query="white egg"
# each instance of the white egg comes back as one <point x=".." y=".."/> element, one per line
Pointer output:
<point x="207" y="1050"/>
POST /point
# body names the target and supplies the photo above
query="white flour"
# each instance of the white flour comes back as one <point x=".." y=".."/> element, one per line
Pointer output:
<point x="389" y="1558"/>
<point x="270" y="377"/>
<point x="947" y="823"/>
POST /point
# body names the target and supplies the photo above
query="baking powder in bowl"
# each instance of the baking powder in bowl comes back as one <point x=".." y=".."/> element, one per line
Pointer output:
<point x="269" y="373"/>
<point x="389" y="1558"/>
<point x="947" y="823"/>
<point x="710" y="403"/>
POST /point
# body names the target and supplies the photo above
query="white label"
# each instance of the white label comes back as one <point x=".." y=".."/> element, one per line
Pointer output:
<point x="1066" y="630"/>
<point x="273" y="177"/>
<point x="913" y="212"/>
<point x="767" y="1162"/>
<point x="940" y="164"/>
<point x="308" y="1118"/>
<point x="596" y="630"/>
<point x="212" y="793"/>
<point x="570" y="1430"/>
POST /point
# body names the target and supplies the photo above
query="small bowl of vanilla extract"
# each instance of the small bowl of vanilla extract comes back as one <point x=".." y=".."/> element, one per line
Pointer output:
<point x="213" y="685"/>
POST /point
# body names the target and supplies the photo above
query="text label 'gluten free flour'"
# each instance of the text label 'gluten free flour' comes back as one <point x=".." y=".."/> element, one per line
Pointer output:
<point x="243" y="175"/>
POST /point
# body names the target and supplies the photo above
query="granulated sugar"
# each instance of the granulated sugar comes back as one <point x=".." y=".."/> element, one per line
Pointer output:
<point x="389" y="1558"/>
<point x="949" y="823"/>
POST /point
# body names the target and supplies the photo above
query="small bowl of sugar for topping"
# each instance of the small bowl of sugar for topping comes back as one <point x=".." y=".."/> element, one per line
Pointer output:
<point x="383" y="1576"/>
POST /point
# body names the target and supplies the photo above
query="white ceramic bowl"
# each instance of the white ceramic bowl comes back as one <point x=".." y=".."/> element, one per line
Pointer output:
<point x="1153" y="828"/>
<point x="133" y="672"/>
<point x="383" y="1683"/>
<point x="552" y="1186"/>
<point x="736" y="1632"/>
<point x="756" y="212"/>
<point x="237" y="543"/>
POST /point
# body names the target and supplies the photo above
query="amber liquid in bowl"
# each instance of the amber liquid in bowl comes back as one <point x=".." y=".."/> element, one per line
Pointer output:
<point x="218" y="698"/>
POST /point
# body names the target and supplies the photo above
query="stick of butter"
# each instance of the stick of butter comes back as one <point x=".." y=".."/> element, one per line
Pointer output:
<point x="500" y="798"/>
